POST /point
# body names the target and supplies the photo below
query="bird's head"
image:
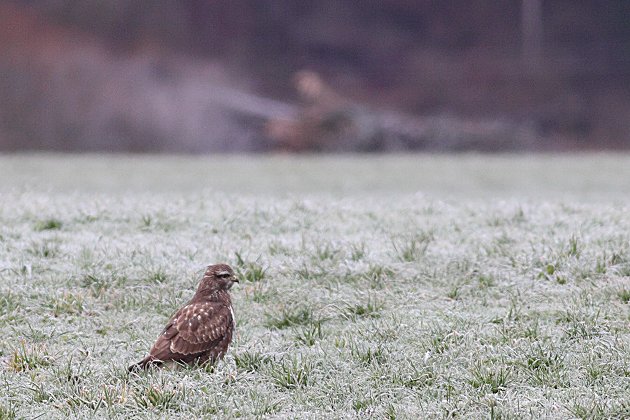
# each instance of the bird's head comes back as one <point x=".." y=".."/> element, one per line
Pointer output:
<point x="218" y="277"/>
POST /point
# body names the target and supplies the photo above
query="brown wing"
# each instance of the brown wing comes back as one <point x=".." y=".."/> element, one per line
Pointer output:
<point x="195" y="329"/>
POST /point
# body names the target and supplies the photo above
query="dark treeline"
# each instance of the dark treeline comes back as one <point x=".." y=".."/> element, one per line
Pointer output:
<point x="198" y="75"/>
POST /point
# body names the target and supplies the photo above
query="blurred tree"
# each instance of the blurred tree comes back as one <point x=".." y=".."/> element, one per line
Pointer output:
<point x="422" y="57"/>
<point x="532" y="32"/>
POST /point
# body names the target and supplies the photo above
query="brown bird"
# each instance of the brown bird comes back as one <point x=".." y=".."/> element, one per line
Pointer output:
<point x="202" y="330"/>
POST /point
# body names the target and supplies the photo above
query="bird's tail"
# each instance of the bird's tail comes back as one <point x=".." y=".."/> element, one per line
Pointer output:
<point x="144" y="364"/>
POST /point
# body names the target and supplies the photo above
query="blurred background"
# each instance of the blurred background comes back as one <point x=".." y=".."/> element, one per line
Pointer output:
<point x="205" y="76"/>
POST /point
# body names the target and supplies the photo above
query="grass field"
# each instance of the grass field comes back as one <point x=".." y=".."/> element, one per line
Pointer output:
<point x="396" y="287"/>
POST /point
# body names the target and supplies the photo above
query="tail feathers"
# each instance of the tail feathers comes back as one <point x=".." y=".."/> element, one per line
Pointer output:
<point x="144" y="364"/>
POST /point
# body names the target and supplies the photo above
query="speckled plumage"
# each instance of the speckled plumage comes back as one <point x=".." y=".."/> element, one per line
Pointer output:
<point x="202" y="330"/>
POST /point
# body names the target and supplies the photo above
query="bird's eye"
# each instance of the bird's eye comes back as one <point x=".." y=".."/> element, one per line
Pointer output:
<point x="223" y="275"/>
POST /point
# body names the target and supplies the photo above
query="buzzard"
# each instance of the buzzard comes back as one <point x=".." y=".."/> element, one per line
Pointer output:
<point x="202" y="330"/>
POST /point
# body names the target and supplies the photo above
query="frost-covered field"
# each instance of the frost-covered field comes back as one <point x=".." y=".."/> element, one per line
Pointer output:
<point x="389" y="287"/>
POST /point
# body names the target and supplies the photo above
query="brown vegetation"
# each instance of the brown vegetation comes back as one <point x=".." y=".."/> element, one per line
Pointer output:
<point x="198" y="76"/>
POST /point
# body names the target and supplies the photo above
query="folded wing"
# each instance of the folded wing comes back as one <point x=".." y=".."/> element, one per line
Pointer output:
<point x="196" y="329"/>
